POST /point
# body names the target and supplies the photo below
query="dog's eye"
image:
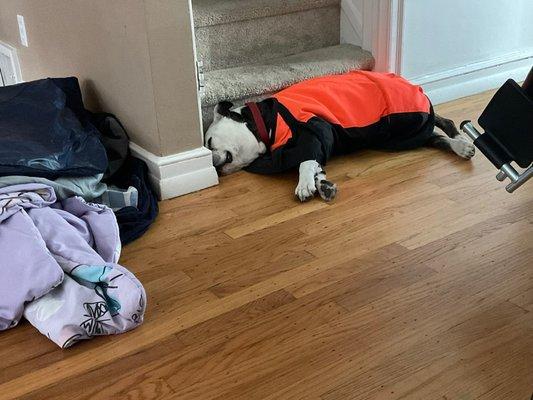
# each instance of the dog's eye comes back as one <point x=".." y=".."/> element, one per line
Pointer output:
<point x="229" y="157"/>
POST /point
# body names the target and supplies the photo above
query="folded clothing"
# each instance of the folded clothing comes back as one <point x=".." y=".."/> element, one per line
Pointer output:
<point x="27" y="269"/>
<point x="129" y="195"/>
<point x="88" y="187"/>
<point x="45" y="131"/>
<point x="48" y="137"/>
<point x="70" y="260"/>
<point x="93" y="300"/>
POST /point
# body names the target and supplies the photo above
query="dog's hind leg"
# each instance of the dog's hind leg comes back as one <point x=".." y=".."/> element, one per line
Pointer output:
<point x="447" y="126"/>
<point x="460" y="146"/>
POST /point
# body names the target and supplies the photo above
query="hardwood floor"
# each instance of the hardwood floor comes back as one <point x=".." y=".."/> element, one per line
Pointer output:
<point x="415" y="283"/>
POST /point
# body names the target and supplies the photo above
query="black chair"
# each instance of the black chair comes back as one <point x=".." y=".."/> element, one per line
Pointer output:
<point x="508" y="137"/>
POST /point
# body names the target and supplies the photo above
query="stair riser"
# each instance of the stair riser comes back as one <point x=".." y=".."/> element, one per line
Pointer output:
<point x="215" y="12"/>
<point x="258" y="40"/>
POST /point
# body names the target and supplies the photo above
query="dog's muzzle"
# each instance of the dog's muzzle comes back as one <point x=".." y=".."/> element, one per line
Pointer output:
<point x="217" y="160"/>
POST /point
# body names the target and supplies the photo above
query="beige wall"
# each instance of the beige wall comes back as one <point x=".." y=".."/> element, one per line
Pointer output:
<point x="134" y="58"/>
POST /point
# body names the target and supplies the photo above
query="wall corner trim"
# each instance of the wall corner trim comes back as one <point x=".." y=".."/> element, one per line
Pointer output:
<point x="178" y="174"/>
<point x="382" y="32"/>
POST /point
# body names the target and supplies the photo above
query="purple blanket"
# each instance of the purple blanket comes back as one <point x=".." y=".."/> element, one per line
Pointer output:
<point x="58" y="267"/>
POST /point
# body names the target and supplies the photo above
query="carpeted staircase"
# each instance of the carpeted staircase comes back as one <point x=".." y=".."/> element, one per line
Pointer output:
<point x="252" y="48"/>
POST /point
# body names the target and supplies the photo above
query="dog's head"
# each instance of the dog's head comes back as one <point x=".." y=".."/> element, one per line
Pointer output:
<point x="233" y="144"/>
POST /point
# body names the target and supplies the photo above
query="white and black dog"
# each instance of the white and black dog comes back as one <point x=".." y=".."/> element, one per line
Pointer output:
<point x="308" y="123"/>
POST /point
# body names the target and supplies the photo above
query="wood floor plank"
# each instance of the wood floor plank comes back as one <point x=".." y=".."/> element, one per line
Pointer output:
<point x="274" y="219"/>
<point x="375" y="332"/>
<point x="416" y="283"/>
<point x="396" y="378"/>
<point x="357" y="321"/>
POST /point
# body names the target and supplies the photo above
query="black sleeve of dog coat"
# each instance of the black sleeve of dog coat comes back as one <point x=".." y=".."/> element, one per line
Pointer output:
<point x="306" y="145"/>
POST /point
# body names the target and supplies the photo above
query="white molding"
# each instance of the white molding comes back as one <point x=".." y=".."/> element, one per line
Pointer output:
<point x="371" y="27"/>
<point x="382" y="32"/>
<point x="351" y="23"/>
<point x="11" y="53"/>
<point x="195" y="55"/>
<point x="474" y="67"/>
<point x="395" y="24"/>
<point x="477" y="77"/>
<point x="178" y="174"/>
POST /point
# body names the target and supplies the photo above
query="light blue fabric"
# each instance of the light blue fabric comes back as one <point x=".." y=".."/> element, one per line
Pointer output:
<point x="89" y="187"/>
<point x="117" y="198"/>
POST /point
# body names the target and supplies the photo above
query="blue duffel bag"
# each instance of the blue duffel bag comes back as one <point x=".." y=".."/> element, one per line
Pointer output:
<point x="45" y="131"/>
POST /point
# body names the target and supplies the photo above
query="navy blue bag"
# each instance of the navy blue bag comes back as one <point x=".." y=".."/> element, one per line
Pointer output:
<point x="133" y="222"/>
<point x="124" y="171"/>
<point x="45" y="131"/>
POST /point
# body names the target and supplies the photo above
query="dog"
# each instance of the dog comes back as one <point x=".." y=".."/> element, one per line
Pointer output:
<point x="306" y="124"/>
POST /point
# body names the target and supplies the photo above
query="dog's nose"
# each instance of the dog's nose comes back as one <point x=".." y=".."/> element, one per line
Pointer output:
<point x="217" y="160"/>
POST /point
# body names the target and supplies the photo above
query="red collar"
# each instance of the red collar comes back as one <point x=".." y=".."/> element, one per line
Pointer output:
<point x="259" y="123"/>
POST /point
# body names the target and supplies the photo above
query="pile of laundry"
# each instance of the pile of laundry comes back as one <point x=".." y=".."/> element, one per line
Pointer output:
<point x="71" y="195"/>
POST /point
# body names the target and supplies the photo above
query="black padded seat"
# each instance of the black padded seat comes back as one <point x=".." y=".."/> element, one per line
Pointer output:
<point x="508" y="137"/>
<point x="508" y="125"/>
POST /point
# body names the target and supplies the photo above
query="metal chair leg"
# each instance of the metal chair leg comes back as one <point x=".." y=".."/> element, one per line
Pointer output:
<point x="506" y="170"/>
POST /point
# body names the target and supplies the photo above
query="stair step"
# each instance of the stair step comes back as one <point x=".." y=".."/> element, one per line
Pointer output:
<point x="216" y="12"/>
<point x="270" y="77"/>
<point x="256" y="81"/>
<point x="253" y="41"/>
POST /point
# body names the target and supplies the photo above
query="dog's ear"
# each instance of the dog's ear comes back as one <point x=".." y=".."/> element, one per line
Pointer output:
<point x="222" y="109"/>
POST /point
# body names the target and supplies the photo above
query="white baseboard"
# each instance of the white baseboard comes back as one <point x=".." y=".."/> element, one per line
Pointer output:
<point x="179" y="174"/>
<point x="475" y="78"/>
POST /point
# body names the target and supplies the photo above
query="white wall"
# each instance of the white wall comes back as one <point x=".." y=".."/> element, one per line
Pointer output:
<point x="439" y="35"/>
<point x="453" y="48"/>
<point x="458" y="47"/>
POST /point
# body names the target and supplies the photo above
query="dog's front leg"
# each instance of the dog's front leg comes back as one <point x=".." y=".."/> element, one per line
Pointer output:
<point x="306" y="188"/>
<point x="313" y="178"/>
<point x="326" y="189"/>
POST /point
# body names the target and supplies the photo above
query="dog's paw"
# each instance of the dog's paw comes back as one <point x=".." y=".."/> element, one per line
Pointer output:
<point x="327" y="190"/>
<point x="306" y="189"/>
<point x="463" y="148"/>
